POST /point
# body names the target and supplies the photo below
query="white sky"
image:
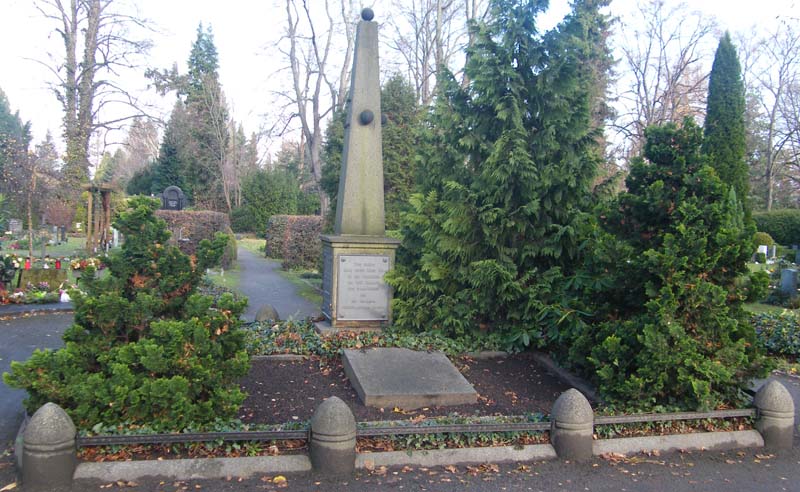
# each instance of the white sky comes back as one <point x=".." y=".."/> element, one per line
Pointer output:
<point x="244" y="33"/>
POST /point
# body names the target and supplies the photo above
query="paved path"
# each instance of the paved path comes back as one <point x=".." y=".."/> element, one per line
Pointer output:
<point x="262" y="284"/>
<point x="18" y="339"/>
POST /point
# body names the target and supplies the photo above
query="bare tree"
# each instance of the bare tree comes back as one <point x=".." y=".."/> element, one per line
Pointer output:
<point x="308" y="45"/>
<point x="98" y="43"/>
<point x="662" y="58"/>
<point x="140" y="150"/>
<point x="772" y="75"/>
<point x="426" y="35"/>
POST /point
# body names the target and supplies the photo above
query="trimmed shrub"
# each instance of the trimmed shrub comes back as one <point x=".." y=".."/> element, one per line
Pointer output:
<point x="295" y="239"/>
<point x="763" y="238"/>
<point x="782" y="225"/>
<point x="145" y="348"/>
<point x="189" y="227"/>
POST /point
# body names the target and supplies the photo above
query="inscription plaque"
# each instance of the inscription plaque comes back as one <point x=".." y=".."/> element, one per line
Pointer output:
<point x="363" y="295"/>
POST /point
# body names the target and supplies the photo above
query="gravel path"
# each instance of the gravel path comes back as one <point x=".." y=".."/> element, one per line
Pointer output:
<point x="260" y="281"/>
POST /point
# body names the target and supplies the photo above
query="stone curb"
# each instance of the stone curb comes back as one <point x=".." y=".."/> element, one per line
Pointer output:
<point x="701" y="441"/>
<point x="568" y="379"/>
<point x="487" y="354"/>
<point x="280" y="357"/>
<point x="190" y="469"/>
<point x="211" y="468"/>
<point x="20" y="309"/>
<point x="439" y="457"/>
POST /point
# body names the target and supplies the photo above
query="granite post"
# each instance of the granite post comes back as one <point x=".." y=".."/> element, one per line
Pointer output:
<point x="333" y="439"/>
<point x="49" y="454"/>
<point x="572" y="425"/>
<point x="358" y="255"/>
<point x="775" y="419"/>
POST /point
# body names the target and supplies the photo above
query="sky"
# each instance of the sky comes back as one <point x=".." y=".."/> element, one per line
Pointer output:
<point x="245" y="33"/>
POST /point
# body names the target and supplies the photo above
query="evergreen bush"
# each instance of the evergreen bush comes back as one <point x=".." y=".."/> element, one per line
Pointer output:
<point x="505" y="175"/>
<point x="763" y="238"/>
<point x="145" y="348"/>
<point x="670" y="329"/>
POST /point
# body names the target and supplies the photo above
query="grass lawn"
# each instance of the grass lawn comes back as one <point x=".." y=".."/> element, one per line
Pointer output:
<point x="308" y="283"/>
<point x="252" y="244"/>
<point x="758" y="307"/>
<point x="225" y="278"/>
<point x="69" y="249"/>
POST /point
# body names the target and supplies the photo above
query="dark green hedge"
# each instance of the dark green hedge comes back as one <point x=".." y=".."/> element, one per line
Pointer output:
<point x="189" y="227"/>
<point x="295" y="239"/>
<point x="782" y="225"/>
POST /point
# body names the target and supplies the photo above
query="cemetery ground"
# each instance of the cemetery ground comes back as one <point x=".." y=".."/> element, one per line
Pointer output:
<point x="746" y="470"/>
<point x="289" y="391"/>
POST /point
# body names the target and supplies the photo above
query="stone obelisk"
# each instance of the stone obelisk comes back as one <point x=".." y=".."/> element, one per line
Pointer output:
<point x="358" y="255"/>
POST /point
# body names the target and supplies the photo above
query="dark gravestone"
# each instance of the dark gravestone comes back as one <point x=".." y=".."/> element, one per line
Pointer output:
<point x="173" y="199"/>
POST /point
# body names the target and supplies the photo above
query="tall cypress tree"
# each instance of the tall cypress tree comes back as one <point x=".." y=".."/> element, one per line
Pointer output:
<point x="724" y="142"/>
<point x="505" y="175"/>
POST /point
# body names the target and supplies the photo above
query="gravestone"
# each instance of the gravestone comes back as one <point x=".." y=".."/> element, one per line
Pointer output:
<point x="398" y="377"/>
<point x="173" y="199"/>
<point x="15" y="226"/>
<point x="773" y="251"/>
<point x="358" y="254"/>
<point x="789" y="282"/>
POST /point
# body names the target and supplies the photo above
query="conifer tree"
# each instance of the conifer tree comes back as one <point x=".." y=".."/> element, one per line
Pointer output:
<point x="505" y="174"/>
<point x="725" y="138"/>
<point x="145" y="348"/>
<point x="669" y="327"/>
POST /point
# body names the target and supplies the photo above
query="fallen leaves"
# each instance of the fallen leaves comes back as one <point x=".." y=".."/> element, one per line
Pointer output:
<point x="483" y="469"/>
<point x="118" y="483"/>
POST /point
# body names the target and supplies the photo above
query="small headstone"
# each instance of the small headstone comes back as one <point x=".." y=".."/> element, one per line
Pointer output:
<point x="398" y="377"/>
<point x="15" y="226"/>
<point x="763" y="248"/>
<point x="773" y="251"/>
<point x="173" y="199"/>
<point x="267" y="313"/>
<point x="789" y="282"/>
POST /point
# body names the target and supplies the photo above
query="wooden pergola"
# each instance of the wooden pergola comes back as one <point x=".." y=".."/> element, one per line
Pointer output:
<point x="98" y="222"/>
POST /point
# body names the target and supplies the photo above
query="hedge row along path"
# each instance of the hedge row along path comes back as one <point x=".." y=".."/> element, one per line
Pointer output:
<point x="260" y="282"/>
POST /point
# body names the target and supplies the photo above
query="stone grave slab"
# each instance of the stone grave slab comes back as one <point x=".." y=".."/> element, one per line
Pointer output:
<point x="398" y="377"/>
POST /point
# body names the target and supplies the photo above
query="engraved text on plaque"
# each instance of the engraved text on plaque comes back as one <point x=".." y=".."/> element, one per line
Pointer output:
<point x="363" y="295"/>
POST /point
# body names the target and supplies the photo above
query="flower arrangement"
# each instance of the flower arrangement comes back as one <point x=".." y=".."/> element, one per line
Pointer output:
<point x="82" y="263"/>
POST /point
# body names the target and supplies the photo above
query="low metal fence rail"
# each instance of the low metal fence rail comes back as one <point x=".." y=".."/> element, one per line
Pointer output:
<point x="395" y="430"/>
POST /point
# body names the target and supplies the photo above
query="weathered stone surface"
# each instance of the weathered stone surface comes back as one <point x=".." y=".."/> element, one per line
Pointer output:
<point x="775" y="415"/>
<point x="333" y="438"/>
<point x="360" y="202"/>
<point x="267" y="313"/>
<point x="572" y="422"/>
<point x="333" y="249"/>
<point x="49" y="458"/>
<point x="789" y="282"/>
<point x="397" y="377"/>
